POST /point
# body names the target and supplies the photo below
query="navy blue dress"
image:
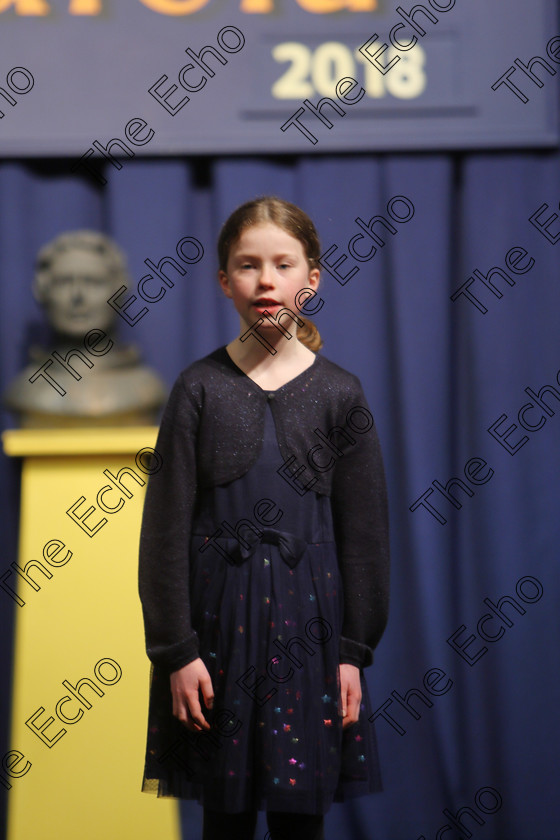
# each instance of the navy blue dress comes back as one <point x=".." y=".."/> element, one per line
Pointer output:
<point x="266" y="604"/>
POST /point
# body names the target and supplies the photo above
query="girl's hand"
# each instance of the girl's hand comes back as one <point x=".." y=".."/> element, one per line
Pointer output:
<point x="350" y="693"/>
<point x="185" y="684"/>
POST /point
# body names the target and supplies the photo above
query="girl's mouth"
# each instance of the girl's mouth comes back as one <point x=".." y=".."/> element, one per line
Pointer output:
<point x="263" y="304"/>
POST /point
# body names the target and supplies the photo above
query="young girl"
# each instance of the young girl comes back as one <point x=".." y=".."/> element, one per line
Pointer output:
<point x="264" y="557"/>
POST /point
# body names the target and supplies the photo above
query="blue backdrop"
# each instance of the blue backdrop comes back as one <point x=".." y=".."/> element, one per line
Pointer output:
<point x="438" y="373"/>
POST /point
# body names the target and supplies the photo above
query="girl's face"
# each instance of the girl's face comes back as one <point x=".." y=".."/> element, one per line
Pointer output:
<point x="266" y="269"/>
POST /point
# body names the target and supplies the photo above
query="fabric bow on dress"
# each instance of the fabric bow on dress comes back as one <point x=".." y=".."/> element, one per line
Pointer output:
<point x="291" y="547"/>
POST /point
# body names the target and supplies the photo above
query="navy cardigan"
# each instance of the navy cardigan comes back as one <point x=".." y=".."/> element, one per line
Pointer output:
<point x="211" y="433"/>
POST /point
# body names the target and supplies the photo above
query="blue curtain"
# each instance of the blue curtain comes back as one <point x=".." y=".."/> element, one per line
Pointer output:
<point x="479" y="731"/>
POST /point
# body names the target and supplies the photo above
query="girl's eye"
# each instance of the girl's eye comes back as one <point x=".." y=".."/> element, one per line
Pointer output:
<point x="284" y="265"/>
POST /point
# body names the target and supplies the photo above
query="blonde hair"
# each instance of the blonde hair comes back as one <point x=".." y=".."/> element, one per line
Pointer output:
<point x="289" y="218"/>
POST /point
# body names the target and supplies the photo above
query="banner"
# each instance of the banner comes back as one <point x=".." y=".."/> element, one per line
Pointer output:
<point x="101" y="79"/>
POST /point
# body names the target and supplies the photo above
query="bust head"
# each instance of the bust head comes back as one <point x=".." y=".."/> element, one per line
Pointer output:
<point x="75" y="274"/>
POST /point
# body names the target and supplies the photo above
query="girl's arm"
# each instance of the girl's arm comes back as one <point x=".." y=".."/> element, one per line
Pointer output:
<point x="360" y="516"/>
<point x="165" y="536"/>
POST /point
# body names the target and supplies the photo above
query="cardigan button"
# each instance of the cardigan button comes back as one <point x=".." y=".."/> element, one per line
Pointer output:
<point x="270" y="397"/>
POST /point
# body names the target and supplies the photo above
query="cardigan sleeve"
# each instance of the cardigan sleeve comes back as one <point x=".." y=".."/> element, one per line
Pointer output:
<point x="165" y="536"/>
<point x="360" y="517"/>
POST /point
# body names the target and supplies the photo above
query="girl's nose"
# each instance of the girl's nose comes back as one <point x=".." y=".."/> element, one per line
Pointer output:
<point x="266" y="276"/>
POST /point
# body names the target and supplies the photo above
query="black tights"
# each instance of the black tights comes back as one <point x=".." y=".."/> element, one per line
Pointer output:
<point x="282" y="826"/>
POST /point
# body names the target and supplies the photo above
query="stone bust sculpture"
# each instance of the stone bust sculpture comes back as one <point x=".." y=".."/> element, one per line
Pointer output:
<point x="88" y="377"/>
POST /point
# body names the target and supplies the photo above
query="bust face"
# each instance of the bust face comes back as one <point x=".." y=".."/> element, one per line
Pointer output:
<point x="75" y="299"/>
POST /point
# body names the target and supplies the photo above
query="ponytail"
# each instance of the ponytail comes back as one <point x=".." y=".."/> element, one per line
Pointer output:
<point x="309" y="335"/>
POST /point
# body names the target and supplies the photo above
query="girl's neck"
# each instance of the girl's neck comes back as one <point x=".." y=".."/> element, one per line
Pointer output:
<point x="271" y="371"/>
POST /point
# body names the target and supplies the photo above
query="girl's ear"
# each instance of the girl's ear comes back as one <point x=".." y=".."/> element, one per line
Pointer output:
<point x="224" y="283"/>
<point x="313" y="279"/>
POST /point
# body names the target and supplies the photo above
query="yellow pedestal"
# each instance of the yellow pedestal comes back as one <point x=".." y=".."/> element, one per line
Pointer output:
<point x="82" y="622"/>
